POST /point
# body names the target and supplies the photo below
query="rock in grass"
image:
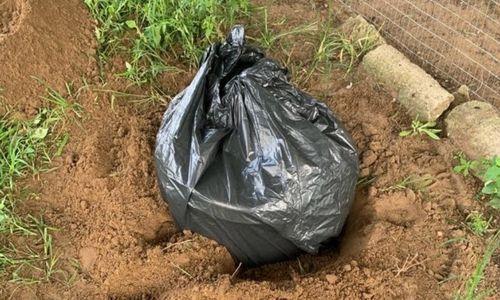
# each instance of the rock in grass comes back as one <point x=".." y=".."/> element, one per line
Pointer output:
<point x="474" y="127"/>
<point x="357" y="29"/>
<point x="417" y="91"/>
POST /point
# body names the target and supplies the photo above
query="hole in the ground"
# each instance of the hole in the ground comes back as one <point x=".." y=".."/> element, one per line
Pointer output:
<point x="477" y="107"/>
<point x="12" y="13"/>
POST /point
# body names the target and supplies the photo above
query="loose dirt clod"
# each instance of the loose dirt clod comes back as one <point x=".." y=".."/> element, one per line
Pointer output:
<point x="418" y="92"/>
<point x="475" y="128"/>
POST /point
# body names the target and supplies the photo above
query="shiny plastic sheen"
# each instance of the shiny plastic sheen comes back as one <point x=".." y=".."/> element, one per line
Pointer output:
<point x="245" y="158"/>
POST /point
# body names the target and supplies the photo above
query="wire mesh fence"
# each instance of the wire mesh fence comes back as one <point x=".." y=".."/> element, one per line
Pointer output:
<point x="457" y="41"/>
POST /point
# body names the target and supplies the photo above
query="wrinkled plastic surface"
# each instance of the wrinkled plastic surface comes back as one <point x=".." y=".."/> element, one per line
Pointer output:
<point x="246" y="159"/>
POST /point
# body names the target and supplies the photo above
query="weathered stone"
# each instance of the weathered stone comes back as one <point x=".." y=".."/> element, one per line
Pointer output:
<point x="417" y="91"/>
<point x="462" y="94"/>
<point x="357" y="28"/>
<point x="463" y="90"/>
<point x="331" y="278"/>
<point x="474" y="127"/>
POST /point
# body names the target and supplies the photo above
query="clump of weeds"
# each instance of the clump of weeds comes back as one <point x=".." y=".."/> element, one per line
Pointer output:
<point x="488" y="170"/>
<point x="151" y="30"/>
<point x="477" y="223"/>
<point x="27" y="147"/>
<point x="472" y="290"/>
<point x="335" y="46"/>
<point x="267" y="37"/>
<point x="464" y="166"/>
<point x="420" y="128"/>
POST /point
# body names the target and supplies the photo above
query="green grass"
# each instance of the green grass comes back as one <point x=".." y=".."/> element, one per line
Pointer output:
<point x="155" y="96"/>
<point x="420" y="128"/>
<point x="268" y="37"/>
<point x="26" y="147"/>
<point x="414" y="182"/>
<point x="477" y="223"/>
<point x="152" y="31"/>
<point x="347" y="50"/>
<point x="472" y="285"/>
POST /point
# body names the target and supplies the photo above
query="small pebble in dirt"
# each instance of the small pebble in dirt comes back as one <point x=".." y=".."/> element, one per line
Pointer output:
<point x="372" y="191"/>
<point x="440" y="234"/>
<point x="88" y="257"/>
<point x="369" y="157"/>
<point x="121" y="132"/>
<point x="115" y="241"/>
<point x="347" y="267"/>
<point x="84" y="204"/>
<point x="369" y="129"/>
<point x="331" y="278"/>
<point x="354" y="263"/>
<point x="410" y="195"/>
<point x="364" y="172"/>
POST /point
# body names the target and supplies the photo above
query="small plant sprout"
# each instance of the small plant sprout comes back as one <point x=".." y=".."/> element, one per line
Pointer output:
<point x="491" y="179"/>
<point x="477" y="223"/>
<point x="464" y="166"/>
<point x="419" y="128"/>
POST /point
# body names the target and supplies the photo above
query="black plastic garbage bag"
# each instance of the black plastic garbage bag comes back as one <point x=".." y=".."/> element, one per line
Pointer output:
<point x="246" y="159"/>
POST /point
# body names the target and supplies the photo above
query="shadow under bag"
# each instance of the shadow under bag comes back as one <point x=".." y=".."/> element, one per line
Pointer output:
<point x="246" y="159"/>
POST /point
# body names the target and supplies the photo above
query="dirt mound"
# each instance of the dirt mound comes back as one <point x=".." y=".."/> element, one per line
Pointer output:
<point x="52" y="42"/>
<point x="12" y="13"/>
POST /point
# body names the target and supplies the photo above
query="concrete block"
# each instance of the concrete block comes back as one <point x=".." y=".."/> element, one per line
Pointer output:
<point x="417" y="91"/>
<point x="474" y="127"/>
<point x="357" y="28"/>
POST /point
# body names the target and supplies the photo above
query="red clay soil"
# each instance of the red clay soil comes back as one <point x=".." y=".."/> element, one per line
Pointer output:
<point x="104" y="199"/>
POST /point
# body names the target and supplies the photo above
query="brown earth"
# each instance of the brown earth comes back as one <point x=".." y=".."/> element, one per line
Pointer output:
<point x="112" y="221"/>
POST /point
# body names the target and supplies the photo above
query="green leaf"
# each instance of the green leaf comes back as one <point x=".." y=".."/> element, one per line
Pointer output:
<point x="489" y="188"/>
<point x="131" y="24"/>
<point x="429" y="124"/>
<point x="493" y="173"/>
<point x="40" y="133"/>
<point x="431" y="134"/>
<point x="62" y="143"/>
<point x="495" y="202"/>
<point x="405" y="133"/>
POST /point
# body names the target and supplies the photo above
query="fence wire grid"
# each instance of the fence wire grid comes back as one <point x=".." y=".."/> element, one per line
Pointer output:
<point x="457" y="41"/>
